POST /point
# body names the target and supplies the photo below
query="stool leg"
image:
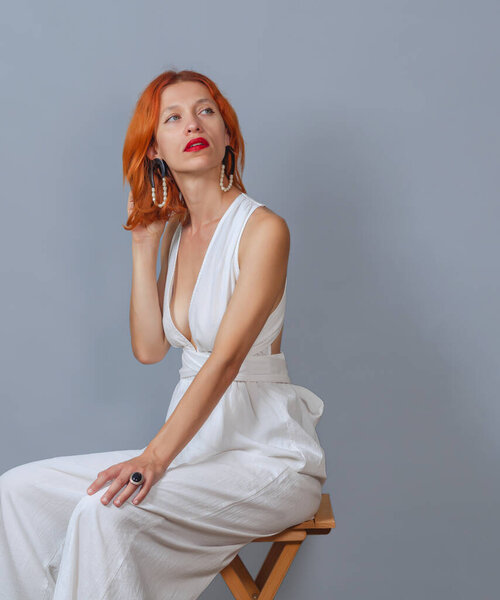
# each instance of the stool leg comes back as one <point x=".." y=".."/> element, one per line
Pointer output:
<point x="275" y="567"/>
<point x="271" y="574"/>
<point x="239" y="581"/>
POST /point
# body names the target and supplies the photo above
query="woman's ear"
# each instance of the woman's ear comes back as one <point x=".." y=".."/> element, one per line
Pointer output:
<point x="151" y="152"/>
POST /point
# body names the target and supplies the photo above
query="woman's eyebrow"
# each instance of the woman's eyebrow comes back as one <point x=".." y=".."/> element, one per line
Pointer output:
<point x="177" y="105"/>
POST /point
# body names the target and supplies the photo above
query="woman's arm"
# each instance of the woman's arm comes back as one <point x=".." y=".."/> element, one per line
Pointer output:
<point x="149" y="343"/>
<point x="264" y="250"/>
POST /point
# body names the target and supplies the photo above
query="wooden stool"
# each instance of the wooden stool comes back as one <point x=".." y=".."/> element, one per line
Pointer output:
<point x="279" y="558"/>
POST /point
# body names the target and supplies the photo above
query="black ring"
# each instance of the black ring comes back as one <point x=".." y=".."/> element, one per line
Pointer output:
<point x="136" y="478"/>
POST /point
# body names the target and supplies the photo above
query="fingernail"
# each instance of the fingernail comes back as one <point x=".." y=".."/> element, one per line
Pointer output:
<point x="135" y="501"/>
<point x="90" y="490"/>
<point x="117" y="502"/>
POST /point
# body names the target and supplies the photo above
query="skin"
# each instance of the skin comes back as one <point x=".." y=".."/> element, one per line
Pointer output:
<point x="263" y="259"/>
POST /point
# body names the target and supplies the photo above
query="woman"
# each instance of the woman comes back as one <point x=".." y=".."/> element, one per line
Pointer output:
<point x="238" y="456"/>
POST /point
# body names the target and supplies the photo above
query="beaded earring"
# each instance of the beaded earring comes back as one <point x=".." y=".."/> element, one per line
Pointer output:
<point x="229" y="150"/>
<point x="160" y="164"/>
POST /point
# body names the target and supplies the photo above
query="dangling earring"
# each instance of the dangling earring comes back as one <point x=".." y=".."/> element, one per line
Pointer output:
<point x="229" y="150"/>
<point x="163" y="167"/>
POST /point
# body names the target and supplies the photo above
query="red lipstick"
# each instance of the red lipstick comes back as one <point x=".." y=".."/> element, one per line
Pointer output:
<point x="200" y="144"/>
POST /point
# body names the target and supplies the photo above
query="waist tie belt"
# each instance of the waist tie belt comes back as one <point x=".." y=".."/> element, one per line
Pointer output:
<point x="269" y="367"/>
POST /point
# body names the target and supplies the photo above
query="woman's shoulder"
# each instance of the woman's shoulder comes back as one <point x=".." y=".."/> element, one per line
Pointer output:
<point x="262" y="215"/>
<point x="264" y="226"/>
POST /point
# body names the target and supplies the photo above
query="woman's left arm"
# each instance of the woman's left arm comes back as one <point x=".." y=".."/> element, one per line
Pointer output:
<point x="263" y="261"/>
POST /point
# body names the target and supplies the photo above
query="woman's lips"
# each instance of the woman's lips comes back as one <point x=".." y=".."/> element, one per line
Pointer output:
<point x="196" y="144"/>
<point x="196" y="147"/>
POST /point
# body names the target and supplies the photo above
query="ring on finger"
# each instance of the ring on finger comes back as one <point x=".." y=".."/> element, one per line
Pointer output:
<point x="137" y="478"/>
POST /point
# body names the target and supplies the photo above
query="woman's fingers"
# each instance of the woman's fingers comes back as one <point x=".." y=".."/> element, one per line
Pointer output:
<point x="102" y="478"/>
<point x="120" y="473"/>
<point x="125" y="495"/>
<point x="114" y="488"/>
<point x="144" y="490"/>
<point x="127" y="492"/>
<point x="130" y="203"/>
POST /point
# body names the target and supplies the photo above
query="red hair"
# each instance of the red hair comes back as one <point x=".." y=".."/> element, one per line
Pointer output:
<point x="141" y="135"/>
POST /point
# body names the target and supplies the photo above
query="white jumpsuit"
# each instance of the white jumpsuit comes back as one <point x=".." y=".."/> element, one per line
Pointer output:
<point x="255" y="467"/>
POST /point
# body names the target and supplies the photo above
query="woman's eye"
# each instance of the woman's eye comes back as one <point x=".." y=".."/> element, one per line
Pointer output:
<point x="207" y="108"/>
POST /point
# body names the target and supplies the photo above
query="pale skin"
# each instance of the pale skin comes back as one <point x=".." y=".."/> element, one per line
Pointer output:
<point x="263" y="260"/>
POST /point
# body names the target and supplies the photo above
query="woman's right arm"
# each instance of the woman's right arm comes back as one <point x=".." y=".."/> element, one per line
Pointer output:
<point x="149" y="344"/>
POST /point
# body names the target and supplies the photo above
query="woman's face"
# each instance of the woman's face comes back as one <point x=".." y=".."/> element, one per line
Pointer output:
<point x="187" y="111"/>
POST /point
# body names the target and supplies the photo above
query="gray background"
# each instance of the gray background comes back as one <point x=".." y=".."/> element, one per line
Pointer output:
<point x="372" y="128"/>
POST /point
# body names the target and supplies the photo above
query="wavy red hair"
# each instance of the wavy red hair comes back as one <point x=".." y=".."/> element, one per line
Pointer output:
<point x="141" y="135"/>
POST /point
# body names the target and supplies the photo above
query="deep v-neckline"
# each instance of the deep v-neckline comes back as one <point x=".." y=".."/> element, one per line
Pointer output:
<point x="203" y="262"/>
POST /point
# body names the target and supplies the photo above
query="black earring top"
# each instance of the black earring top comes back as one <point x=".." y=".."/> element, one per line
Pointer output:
<point x="161" y="165"/>
<point x="229" y="150"/>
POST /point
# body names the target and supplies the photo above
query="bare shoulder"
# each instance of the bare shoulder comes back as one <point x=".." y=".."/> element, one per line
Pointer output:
<point x="265" y="228"/>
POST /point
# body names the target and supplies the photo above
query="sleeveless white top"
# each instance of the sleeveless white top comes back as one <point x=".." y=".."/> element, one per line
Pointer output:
<point x="261" y="411"/>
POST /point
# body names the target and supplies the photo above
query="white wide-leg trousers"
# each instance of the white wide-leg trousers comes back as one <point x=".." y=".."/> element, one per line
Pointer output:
<point x="58" y="542"/>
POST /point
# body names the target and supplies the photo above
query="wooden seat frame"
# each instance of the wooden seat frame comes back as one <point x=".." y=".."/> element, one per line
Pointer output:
<point x="279" y="558"/>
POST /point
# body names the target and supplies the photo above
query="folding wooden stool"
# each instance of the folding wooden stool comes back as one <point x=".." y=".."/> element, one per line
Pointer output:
<point x="279" y="558"/>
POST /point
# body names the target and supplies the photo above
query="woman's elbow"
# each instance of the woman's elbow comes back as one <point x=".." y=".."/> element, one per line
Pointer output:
<point x="152" y="357"/>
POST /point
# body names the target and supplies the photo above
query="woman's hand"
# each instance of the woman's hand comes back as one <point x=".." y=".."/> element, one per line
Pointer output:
<point x="150" y="467"/>
<point x="148" y="233"/>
